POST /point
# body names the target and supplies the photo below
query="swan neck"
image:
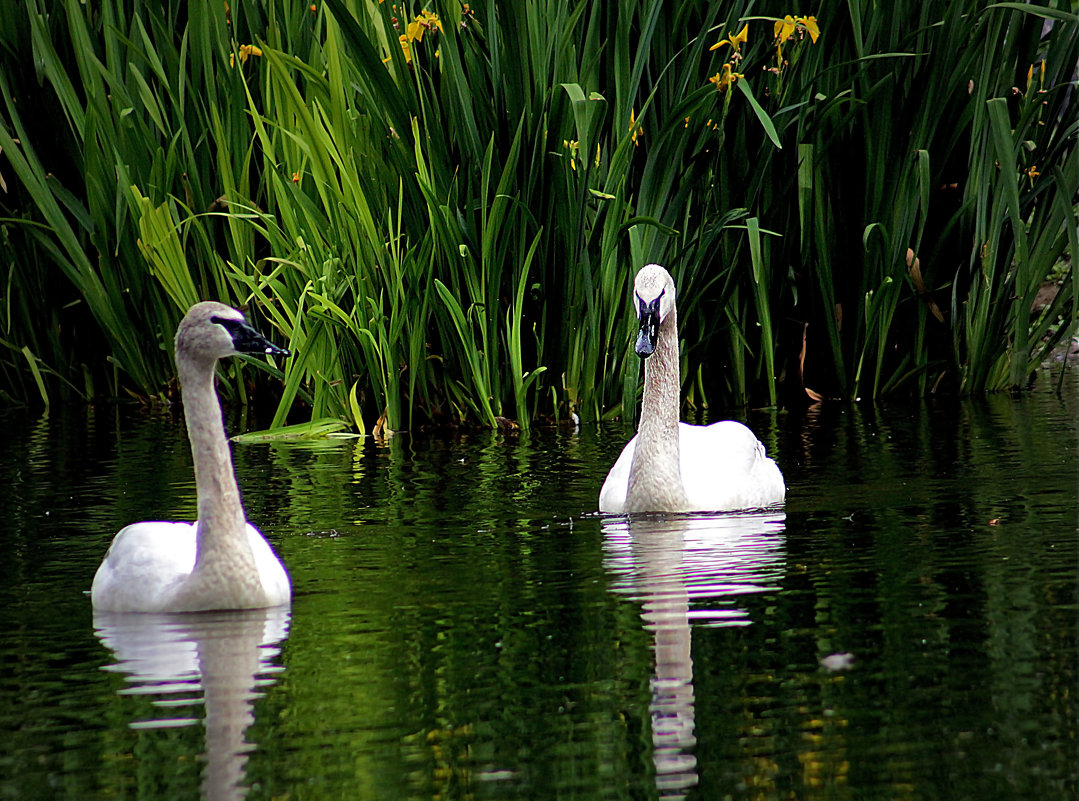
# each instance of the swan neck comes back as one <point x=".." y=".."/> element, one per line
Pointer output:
<point x="221" y="520"/>
<point x="655" y="478"/>
<point x="662" y="381"/>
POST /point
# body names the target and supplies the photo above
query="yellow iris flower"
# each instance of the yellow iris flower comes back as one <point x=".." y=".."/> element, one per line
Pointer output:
<point x="572" y="146"/>
<point x="786" y="27"/>
<point x="735" y="41"/>
<point x="245" y="52"/>
<point x="725" y="78"/>
<point x="427" y="20"/>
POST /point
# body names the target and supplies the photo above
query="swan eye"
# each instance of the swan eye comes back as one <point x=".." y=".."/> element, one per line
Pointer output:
<point x="230" y="325"/>
<point x="649" y="307"/>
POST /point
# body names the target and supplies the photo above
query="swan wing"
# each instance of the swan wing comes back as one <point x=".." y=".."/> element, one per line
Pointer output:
<point x="147" y="564"/>
<point x="612" y="496"/>
<point x="272" y="573"/>
<point x="143" y="567"/>
<point x="725" y="468"/>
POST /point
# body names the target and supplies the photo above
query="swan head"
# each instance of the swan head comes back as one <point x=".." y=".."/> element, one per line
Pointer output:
<point x="653" y="300"/>
<point x="212" y="330"/>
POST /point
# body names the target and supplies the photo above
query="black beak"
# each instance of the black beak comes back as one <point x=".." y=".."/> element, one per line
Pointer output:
<point x="648" y="333"/>
<point x="247" y="340"/>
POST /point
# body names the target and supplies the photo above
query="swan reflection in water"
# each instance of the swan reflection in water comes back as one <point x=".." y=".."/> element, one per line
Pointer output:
<point x="217" y="659"/>
<point x="682" y="568"/>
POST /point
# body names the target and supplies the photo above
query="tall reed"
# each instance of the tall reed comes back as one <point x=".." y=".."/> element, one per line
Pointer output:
<point x="441" y="206"/>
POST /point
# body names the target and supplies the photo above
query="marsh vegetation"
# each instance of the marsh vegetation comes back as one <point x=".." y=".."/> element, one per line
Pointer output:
<point x="440" y="207"/>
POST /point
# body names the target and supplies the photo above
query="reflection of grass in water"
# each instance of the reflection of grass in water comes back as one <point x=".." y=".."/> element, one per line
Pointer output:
<point x="453" y="610"/>
<point x="448" y="231"/>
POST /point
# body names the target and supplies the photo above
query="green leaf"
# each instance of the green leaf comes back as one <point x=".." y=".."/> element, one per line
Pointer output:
<point x="762" y="115"/>
<point x="315" y="429"/>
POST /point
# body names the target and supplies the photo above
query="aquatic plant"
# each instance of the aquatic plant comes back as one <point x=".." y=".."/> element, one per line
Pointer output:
<point x="440" y="206"/>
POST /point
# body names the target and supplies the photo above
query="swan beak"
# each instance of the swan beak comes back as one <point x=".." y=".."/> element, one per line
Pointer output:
<point x="247" y="340"/>
<point x="648" y="332"/>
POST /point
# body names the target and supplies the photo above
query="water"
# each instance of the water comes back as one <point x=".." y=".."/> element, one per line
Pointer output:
<point x="465" y="627"/>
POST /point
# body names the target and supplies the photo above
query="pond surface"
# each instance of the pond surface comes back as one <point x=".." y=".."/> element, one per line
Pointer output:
<point x="466" y="627"/>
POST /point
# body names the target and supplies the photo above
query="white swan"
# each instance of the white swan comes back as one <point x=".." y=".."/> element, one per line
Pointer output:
<point x="220" y="561"/>
<point x="671" y="466"/>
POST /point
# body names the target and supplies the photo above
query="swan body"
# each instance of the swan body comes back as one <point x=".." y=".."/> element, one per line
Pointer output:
<point x="722" y="467"/>
<point x="220" y="561"/>
<point x="670" y="466"/>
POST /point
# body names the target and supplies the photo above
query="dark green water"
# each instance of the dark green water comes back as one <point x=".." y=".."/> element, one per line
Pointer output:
<point x="465" y="627"/>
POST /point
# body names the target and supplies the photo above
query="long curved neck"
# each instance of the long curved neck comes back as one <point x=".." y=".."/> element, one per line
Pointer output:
<point x="221" y="526"/>
<point x="655" y="476"/>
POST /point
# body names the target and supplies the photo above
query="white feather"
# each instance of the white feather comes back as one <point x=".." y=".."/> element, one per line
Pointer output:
<point x="723" y="468"/>
<point x="672" y="466"/>
<point x="222" y="561"/>
<point x="148" y="562"/>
